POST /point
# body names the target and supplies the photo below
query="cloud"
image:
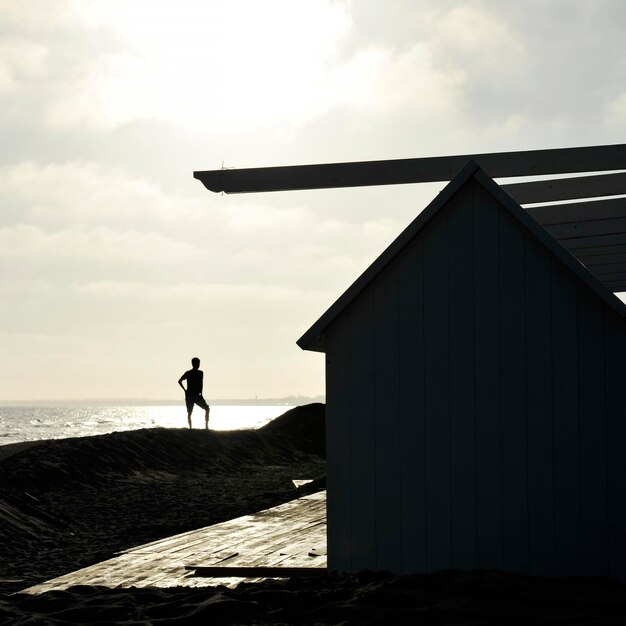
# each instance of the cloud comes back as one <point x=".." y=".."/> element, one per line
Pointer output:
<point x="374" y="81"/>
<point x="480" y="39"/>
<point x="23" y="241"/>
<point x="21" y="62"/>
<point x="30" y="253"/>
<point x="87" y="192"/>
<point x="617" y="111"/>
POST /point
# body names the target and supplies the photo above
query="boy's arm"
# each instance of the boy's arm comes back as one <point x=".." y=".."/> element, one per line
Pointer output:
<point x="180" y="381"/>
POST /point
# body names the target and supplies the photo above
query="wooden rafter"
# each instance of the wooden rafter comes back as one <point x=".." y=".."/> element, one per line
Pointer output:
<point x="588" y="229"/>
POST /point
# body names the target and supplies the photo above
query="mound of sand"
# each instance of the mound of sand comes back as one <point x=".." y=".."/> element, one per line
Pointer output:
<point x="304" y="427"/>
<point x="85" y="459"/>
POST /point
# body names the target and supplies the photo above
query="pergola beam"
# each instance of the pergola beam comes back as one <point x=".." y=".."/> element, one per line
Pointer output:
<point x="420" y="170"/>
<point x="594" y="260"/>
<point x="568" y="188"/>
<point x="575" y="230"/>
<point x="593" y="231"/>
<point x="584" y="254"/>
<point x="599" y="241"/>
<point x="553" y="214"/>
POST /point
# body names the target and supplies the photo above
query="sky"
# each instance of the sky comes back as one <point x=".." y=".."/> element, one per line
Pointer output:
<point x="116" y="266"/>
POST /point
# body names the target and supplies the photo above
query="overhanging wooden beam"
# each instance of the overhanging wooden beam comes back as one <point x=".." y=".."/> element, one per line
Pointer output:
<point x="599" y="241"/>
<point x="584" y="253"/>
<point x="587" y="229"/>
<point x="578" y="211"/>
<point x="568" y="188"/>
<point x="601" y="269"/>
<point x="616" y="286"/>
<point x="603" y="259"/>
<point x="420" y="170"/>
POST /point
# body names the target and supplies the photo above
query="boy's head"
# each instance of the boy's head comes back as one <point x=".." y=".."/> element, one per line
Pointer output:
<point x="195" y="362"/>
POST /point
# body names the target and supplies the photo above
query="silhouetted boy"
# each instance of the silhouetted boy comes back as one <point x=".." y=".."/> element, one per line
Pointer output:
<point x="193" y="393"/>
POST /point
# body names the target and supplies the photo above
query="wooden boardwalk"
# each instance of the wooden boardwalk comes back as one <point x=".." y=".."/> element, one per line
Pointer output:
<point x="290" y="536"/>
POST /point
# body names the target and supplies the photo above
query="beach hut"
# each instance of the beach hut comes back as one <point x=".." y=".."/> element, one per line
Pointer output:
<point x="475" y="414"/>
<point x="475" y="410"/>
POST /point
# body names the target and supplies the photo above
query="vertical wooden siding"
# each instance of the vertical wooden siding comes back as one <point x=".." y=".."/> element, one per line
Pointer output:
<point x="474" y="415"/>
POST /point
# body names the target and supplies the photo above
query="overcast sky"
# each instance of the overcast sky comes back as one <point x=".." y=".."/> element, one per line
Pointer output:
<point x="116" y="266"/>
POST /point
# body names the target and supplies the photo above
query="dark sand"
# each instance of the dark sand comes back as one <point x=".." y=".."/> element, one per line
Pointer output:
<point x="66" y="504"/>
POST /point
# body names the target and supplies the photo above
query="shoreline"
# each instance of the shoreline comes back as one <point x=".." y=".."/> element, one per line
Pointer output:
<point x="291" y="401"/>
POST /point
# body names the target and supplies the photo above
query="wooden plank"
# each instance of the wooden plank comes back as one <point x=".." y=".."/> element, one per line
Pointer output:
<point x="565" y="372"/>
<point x="387" y="449"/>
<point x="338" y="444"/>
<point x="513" y="395"/>
<point x="249" y="543"/>
<point x="598" y="241"/>
<point x="603" y="259"/>
<point x="611" y="277"/>
<point x="310" y="509"/>
<point x="617" y="287"/>
<point x="615" y="345"/>
<point x="281" y="541"/>
<point x="539" y="410"/>
<point x="265" y="572"/>
<point x="362" y="434"/>
<point x="411" y="408"/>
<point x="151" y="565"/>
<point x="591" y="228"/>
<point x="199" y="537"/>
<point x="586" y="252"/>
<point x="567" y="188"/>
<point x="578" y="211"/>
<point x="437" y="394"/>
<point x="462" y="377"/>
<point x="612" y="285"/>
<point x="487" y="368"/>
<point x="592" y="415"/>
<point x="400" y="171"/>
<point x="274" y="558"/>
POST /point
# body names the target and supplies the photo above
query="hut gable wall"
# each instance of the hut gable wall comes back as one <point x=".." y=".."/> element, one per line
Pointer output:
<point x="473" y="407"/>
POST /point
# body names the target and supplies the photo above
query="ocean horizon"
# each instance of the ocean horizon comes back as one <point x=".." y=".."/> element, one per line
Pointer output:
<point x="21" y="423"/>
<point x="121" y="401"/>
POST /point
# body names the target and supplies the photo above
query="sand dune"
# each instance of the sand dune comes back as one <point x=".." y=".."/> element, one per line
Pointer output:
<point x="90" y="459"/>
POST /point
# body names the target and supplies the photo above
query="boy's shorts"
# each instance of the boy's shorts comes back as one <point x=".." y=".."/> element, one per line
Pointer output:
<point x="195" y="398"/>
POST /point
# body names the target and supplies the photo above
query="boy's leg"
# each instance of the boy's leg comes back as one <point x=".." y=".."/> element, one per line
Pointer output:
<point x="189" y="403"/>
<point x="203" y="404"/>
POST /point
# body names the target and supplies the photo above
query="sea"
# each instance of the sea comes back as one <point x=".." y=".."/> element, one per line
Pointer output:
<point x="24" y="423"/>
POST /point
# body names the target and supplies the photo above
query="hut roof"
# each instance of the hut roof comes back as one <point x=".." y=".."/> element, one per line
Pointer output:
<point x="314" y="338"/>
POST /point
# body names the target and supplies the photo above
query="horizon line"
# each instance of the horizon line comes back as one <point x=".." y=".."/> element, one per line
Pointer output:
<point x="284" y="400"/>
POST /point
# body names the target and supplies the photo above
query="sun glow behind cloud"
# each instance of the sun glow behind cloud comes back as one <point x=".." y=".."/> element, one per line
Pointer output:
<point x="199" y="64"/>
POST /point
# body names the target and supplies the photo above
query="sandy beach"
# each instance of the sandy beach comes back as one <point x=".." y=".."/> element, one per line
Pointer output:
<point x="66" y="504"/>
